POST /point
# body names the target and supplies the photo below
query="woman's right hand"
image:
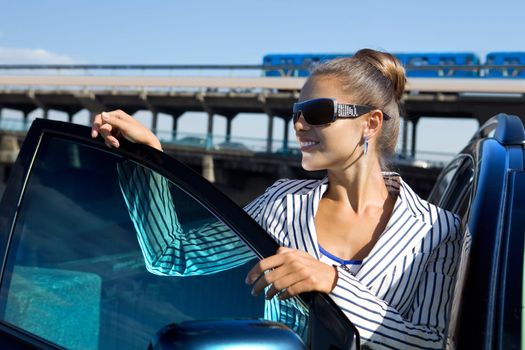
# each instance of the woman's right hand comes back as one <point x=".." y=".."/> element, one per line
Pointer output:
<point x="114" y="124"/>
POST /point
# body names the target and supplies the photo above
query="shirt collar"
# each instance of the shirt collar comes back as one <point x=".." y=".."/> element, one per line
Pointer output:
<point x="399" y="189"/>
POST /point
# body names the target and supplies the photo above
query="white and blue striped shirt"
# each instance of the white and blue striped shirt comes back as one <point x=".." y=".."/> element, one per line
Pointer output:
<point x="398" y="297"/>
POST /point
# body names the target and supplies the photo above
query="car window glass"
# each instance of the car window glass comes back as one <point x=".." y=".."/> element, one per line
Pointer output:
<point x="460" y="188"/>
<point x="76" y="274"/>
<point x="442" y="184"/>
<point x="453" y="188"/>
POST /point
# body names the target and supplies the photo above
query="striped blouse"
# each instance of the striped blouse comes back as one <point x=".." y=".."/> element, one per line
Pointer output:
<point x="398" y="297"/>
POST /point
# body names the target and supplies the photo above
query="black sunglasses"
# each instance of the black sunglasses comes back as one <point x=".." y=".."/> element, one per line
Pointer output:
<point x="320" y="111"/>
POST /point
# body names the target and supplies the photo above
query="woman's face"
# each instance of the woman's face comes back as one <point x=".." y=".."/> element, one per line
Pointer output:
<point x="333" y="146"/>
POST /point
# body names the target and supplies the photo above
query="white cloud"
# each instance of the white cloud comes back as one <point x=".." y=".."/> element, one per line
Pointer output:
<point x="12" y="55"/>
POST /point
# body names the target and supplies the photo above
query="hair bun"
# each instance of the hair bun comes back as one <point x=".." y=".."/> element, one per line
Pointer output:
<point x="389" y="66"/>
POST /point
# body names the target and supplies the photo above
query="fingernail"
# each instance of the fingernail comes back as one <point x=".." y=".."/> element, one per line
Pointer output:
<point x="105" y="116"/>
<point x="253" y="292"/>
<point x="93" y="133"/>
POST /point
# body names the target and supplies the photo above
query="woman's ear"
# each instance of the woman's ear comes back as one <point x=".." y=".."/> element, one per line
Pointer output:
<point x="374" y="121"/>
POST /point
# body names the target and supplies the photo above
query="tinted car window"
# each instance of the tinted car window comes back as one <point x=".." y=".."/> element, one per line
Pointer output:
<point x="75" y="272"/>
<point x="444" y="180"/>
<point x="453" y="188"/>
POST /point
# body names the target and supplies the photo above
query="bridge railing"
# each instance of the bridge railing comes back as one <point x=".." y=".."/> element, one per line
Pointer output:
<point x="244" y="145"/>
<point x="217" y="142"/>
<point x="220" y="142"/>
<point x="492" y="69"/>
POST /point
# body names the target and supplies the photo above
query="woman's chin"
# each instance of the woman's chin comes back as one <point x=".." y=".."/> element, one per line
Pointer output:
<point x="311" y="166"/>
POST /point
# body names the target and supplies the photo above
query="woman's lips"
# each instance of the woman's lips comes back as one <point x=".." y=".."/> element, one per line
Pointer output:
<point x="307" y="144"/>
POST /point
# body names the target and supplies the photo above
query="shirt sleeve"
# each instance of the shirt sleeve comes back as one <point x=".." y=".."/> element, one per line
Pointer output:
<point x="423" y="327"/>
<point x="167" y="248"/>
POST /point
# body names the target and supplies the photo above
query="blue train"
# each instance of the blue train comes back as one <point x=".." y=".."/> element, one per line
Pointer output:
<point x="451" y="64"/>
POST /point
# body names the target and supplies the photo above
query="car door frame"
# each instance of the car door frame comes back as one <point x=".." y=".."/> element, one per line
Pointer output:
<point x="193" y="184"/>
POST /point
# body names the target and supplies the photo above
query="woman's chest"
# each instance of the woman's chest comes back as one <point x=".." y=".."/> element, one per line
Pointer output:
<point x="347" y="234"/>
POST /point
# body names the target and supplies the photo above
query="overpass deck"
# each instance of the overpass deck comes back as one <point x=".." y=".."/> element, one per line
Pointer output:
<point x="229" y="96"/>
<point x="414" y="85"/>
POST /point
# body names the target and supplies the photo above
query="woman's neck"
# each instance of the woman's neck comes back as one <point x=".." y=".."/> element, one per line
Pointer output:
<point x="360" y="185"/>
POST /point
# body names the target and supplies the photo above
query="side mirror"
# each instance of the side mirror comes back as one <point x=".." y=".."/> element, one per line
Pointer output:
<point x="226" y="334"/>
<point x="328" y="329"/>
<point x="328" y="326"/>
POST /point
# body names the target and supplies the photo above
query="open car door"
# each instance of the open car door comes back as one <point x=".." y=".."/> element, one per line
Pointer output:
<point x="73" y="273"/>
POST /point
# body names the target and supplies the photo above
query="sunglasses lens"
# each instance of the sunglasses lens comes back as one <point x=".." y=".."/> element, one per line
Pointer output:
<point x="318" y="112"/>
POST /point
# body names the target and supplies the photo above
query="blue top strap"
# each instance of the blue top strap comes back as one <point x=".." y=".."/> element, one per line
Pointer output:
<point x="339" y="260"/>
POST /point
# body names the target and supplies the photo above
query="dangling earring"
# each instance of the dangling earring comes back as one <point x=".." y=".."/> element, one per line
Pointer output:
<point x="365" y="146"/>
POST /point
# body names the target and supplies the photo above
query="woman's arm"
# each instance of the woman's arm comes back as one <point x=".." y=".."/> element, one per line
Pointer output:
<point x="167" y="248"/>
<point x="115" y="124"/>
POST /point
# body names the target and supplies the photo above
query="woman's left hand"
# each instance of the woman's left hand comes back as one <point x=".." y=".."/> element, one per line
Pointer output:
<point x="291" y="272"/>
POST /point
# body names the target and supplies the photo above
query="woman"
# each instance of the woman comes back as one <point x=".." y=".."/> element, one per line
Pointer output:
<point x="385" y="256"/>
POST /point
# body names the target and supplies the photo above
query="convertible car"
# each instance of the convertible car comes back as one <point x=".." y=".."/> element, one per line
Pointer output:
<point x="72" y="273"/>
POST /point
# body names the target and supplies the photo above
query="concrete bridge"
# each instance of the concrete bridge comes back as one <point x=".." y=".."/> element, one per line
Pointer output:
<point x="228" y="96"/>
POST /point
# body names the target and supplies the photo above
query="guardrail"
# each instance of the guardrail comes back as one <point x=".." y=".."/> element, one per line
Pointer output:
<point x="248" y="145"/>
<point x="284" y="70"/>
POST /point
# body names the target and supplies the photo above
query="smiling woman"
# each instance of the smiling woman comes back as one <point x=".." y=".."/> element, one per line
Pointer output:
<point x="384" y="255"/>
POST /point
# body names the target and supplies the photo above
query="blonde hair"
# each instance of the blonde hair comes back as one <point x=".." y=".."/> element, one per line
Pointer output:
<point x="373" y="78"/>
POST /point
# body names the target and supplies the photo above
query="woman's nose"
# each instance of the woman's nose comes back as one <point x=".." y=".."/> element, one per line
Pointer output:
<point x="301" y="124"/>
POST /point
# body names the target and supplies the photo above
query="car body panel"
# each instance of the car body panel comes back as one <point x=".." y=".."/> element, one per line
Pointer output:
<point x="487" y="299"/>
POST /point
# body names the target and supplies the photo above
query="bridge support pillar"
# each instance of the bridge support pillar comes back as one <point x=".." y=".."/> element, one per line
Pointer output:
<point x="154" y="113"/>
<point x="285" y="136"/>
<point x="404" y="144"/>
<point x="206" y="108"/>
<point x="9" y="149"/>
<point x="154" y="121"/>
<point x="270" y="114"/>
<point x="45" y="110"/>
<point x="176" y="116"/>
<point x="414" y="136"/>
<point x="208" y="170"/>
<point x="174" y="128"/>
<point x="269" y="138"/>
<point x="228" y="128"/>
<point x="25" y="117"/>
<point x="209" y="132"/>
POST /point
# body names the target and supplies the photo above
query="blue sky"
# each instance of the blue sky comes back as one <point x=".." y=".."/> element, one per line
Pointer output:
<point x="241" y="32"/>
